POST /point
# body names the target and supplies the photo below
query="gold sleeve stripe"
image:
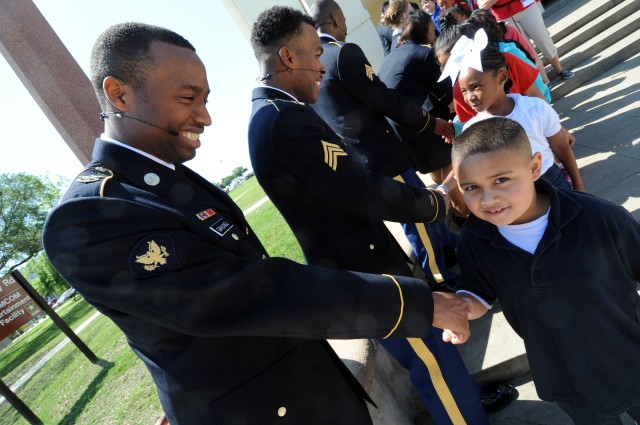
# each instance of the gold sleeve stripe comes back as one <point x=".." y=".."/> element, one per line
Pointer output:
<point x="427" y="123"/>
<point x="401" y="306"/>
<point x="433" y="193"/>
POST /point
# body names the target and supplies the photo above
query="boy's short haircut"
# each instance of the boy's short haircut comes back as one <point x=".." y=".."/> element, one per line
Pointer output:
<point x="491" y="135"/>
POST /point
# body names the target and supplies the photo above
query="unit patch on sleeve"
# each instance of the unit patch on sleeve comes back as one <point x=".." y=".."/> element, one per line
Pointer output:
<point x="153" y="255"/>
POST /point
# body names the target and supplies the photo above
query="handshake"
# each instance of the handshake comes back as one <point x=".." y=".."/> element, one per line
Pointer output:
<point x="452" y="312"/>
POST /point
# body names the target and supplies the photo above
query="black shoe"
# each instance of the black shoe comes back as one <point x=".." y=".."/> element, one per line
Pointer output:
<point x="499" y="398"/>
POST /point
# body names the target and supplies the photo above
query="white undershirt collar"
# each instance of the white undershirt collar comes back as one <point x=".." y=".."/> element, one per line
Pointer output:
<point x="136" y="150"/>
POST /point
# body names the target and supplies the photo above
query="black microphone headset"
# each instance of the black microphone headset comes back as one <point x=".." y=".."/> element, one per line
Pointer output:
<point x="120" y="114"/>
<point x="271" y="74"/>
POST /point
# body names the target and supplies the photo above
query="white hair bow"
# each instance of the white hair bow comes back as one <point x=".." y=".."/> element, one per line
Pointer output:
<point x="464" y="55"/>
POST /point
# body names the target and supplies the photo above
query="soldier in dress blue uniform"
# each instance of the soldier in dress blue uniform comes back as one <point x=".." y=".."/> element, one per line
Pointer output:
<point x="335" y="205"/>
<point x="384" y="31"/>
<point x="356" y="104"/>
<point x="413" y="71"/>
<point x="229" y="335"/>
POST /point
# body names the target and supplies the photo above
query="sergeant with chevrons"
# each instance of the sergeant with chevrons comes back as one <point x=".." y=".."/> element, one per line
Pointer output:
<point x="356" y="104"/>
<point x="336" y="206"/>
<point x="229" y="335"/>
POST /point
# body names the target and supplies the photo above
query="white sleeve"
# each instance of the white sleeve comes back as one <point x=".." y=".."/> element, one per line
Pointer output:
<point x="477" y="297"/>
<point x="550" y="119"/>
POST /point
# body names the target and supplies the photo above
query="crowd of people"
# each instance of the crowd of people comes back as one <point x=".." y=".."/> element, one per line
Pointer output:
<point x="233" y="336"/>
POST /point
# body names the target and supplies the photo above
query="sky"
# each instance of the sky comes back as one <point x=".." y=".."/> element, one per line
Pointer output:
<point x="31" y="144"/>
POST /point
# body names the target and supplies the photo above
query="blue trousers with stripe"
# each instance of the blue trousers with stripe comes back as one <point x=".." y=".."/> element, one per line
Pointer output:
<point x="429" y="241"/>
<point x="440" y="377"/>
<point x="435" y="367"/>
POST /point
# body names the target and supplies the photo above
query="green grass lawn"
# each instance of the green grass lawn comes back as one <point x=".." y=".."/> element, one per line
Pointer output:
<point x="267" y="223"/>
<point x="69" y="389"/>
<point x="247" y="193"/>
<point x="30" y="347"/>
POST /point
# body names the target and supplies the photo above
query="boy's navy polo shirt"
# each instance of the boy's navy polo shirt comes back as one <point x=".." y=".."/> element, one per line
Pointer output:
<point x="574" y="301"/>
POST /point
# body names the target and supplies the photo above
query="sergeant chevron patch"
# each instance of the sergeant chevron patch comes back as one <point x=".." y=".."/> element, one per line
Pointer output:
<point x="369" y="71"/>
<point x="331" y="154"/>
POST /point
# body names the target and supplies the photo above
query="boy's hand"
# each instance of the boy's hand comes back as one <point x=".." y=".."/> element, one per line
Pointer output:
<point x="444" y="129"/>
<point x="451" y="313"/>
<point x="452" y="337"/>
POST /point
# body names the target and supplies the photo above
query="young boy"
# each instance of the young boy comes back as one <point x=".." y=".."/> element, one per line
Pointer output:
<point x="565" y="266"/>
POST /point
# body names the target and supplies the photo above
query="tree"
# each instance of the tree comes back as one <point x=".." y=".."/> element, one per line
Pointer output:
<point x="43" y="277"/>
<point x="25" y="201"/>
<point x="237" y="172"/>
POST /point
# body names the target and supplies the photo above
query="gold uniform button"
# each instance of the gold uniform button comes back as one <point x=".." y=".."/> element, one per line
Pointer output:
<point x="247" y="230"/>
<point x="282" y="411"/>
<point x="234" y="236"/>
<point x="264" y="256"/>
<point x="372" y="247"/>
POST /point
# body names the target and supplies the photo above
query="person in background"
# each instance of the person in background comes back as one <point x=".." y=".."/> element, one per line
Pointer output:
<point x="495" y="35"/>
<point x="384" y="32"/>
<point x="433" y="10"/>
<point x="394" y="17"/>
<point x="522" y="75"/>
<point x="459" y="13"/>
<point x="526" y="16"/>
<point x="413" y="71"/>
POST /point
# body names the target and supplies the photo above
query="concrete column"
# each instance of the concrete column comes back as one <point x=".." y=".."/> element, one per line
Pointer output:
<point x="50" y="74"/>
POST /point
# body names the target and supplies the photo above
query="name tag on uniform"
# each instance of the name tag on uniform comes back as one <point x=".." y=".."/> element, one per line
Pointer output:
<point x="221" y="227"/>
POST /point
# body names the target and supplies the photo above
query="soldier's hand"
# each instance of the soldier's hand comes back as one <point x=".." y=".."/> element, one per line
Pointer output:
<point x="451" y="313"/>
<point x="445" y="129"/>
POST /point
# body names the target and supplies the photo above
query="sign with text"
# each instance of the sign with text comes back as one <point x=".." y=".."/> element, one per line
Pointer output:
<point x="16" y="306"/>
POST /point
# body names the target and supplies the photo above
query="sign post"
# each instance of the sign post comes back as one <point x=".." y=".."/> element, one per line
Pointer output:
<point x="19" y="303"/>
<point x="17" y="277"/>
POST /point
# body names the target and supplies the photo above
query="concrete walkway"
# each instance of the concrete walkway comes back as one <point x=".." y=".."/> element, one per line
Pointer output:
<point x="255" y="206"/>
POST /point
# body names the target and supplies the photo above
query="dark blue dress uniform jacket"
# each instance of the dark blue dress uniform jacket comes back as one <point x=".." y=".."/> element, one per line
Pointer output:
<point x="413" y="71"/>
<point x="354" y="102"/>
<point x="385" y="33"/>
<point x="334" y="205"/>
<point x="229" y="335"/>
